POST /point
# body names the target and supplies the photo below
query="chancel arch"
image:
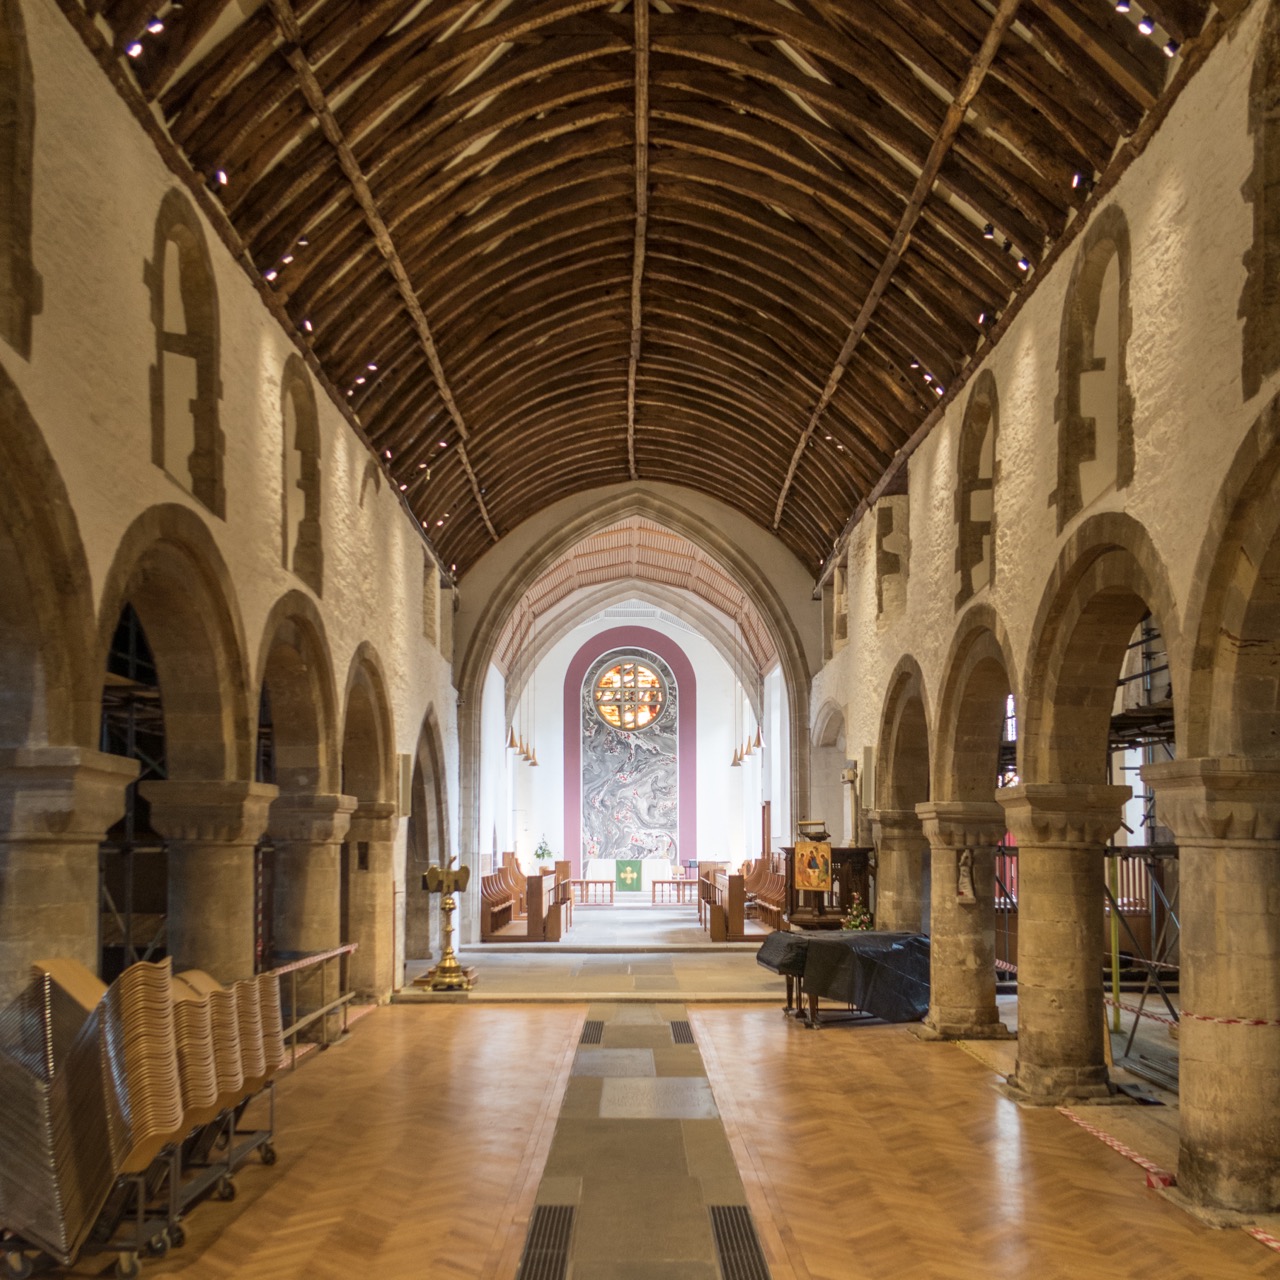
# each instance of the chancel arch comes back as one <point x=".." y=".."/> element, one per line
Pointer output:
<point x="301" y="547"/>
<point x="186" y="382"/>
<point x="20" y="285"/>
<point x="902" y="783"/>
<point x="1094" y="406"/>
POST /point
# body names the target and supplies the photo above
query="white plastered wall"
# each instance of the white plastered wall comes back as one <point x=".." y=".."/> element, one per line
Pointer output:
<point x="98" y="185"/>
<point x="1190" y="227"/>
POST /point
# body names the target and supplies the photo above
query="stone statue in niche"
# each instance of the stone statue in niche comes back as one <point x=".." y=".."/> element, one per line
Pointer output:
<point x="966" y="891"/>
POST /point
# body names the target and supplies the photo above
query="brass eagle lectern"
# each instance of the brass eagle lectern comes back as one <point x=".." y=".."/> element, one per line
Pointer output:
<point x="448" y="975"/>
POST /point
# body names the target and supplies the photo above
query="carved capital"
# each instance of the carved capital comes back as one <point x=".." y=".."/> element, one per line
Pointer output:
<point x="962" y="824"/>
<point x="61" y="793"/>
<point x="209" y="812"/>
<point x="896" y="824"/>
<point x="305" y="818"/>
<point x="1231" y="798"/>
<point x="1063" y="813"/>
<point x="373" y="822"/>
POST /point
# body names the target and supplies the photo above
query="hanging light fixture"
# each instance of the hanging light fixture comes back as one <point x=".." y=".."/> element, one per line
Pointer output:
<point x="511" y="738"/>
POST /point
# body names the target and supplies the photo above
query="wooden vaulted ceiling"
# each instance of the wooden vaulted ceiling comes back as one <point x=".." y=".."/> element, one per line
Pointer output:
<point x="739" y="245"/>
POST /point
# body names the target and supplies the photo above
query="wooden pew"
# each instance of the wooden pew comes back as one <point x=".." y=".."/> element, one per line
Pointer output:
<point x="771" y="900"/>
<point x="516" y="883"/>
<point x="496" y="905"/>
<point x="722" y="906"/>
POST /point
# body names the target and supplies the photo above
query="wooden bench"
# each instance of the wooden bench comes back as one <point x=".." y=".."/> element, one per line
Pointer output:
<point x="496" y="905"/>
<point x="722" y="906"/>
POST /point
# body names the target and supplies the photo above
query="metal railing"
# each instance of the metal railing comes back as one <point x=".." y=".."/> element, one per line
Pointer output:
<point x="334" y="970"/>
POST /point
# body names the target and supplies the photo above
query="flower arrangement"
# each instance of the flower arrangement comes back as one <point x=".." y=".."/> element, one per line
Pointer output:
<point x="543" y="851"/>
<point x="859" y="917"/>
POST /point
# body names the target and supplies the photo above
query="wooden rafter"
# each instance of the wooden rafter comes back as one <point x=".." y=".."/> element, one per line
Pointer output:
<point x="1000" y="23"/>
<point x="642" y="223"/>
<point x="282" y="10"/>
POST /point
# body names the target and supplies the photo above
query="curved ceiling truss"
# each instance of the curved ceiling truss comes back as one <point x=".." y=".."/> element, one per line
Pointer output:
<point x="740" y="245"/>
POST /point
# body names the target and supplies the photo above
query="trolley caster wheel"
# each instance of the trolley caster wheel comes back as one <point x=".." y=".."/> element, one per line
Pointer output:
<point x="127" y="1266"/>
<point x="177" y="1236"/>
<point x="225" y="1190"/>
<point x="17" y="1266"/>
<point x="269" y="1154"/>
<point x="158" y="1245"/>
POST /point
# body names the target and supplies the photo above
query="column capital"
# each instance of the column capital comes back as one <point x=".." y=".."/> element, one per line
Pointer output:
<point x="374" y="821"/>
<point x="56" y="792"/>
<point x="211" y="812"/>
<point x="1227" y="798"/>
<point x="311" y="817"/>
<point x="962" y="824"/>
<point x="1065" y="813"/>
<point x="893" y="822"/>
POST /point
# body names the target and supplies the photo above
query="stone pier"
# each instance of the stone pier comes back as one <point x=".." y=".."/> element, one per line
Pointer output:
<point x="900" y="851"/>
<point x="371" y="898"/>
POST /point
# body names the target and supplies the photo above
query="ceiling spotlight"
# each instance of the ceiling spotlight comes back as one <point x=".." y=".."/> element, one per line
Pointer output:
<point x="221" y="177"/>
<point x="386" y="453"/>
<point x="939" y="390"/>
<point x="360" y="381"/>
<point x="915" y="364"/>
<point x="308" y="326"/>
<point x="270" y="275"/>
<point x="453" y="568"/>
<point x="988" y="232"/>
<point x="288" y="258"/>
<point x="1024" y="264"/>
<point x="134" y="50"/>
<point x="155" y="26"/>
<point x="373" y="368"/>
<point x="439" y="523"/>
<point x="1171" y="49"/>
<point x="403" y="487"/>
<point x="303" y="242"/>
<point x="1122" y="6"/>
<point x="1147" y="25"/>
<point x="444" y="444"/>
<point x="422" y="466"/>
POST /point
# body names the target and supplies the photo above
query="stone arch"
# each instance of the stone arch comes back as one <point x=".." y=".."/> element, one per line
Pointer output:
<point x="184" y="314"/>
<point x="295" y="667"/>
<point x="170" y="570"/>
<point x="1260" y="297"/>
<point x="1233" y="708"/>
<point x="51" y="691"/>
<point x="902" y="754"/>
<point x="1084" y="325"/>
<point x="368" y="743"/>
<point x="902" y="783"/>
<point x="1107" y="577"/>
<point x="979" y="676"/>
<point x="540" y="552"/>
<point x="20" y="285"/>
<point x="428" y="842"/>
<point x="976" y="474"/>
<point x="301" y="544"/>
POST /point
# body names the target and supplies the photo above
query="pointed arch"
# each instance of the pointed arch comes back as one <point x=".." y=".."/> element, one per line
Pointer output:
<point x="301" y="542"/>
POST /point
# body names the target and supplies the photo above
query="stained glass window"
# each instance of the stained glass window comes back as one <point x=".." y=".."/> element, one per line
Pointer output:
<point x="629" y="695"/>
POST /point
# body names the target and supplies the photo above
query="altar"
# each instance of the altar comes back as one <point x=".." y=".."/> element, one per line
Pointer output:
<point x="633" y="878"/>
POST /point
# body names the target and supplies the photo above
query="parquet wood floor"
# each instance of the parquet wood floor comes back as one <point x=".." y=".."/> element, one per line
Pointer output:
<point x="413" y="1149"/>
<point x="869" y="1155"/>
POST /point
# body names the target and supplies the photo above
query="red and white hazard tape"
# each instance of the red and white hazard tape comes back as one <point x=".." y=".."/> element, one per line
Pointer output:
<point x="1230" y="1022"/>
<point x="1141" y="1013"/>
<point x="1265" y="1237"/>
<point x="1156" y="1176"/>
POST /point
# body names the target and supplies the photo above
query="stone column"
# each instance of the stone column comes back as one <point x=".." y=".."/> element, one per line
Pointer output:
<point x="371" y="898"/>
<point x="211" y="829"/>
<point x="900" y="847"/>
<point x="963" y="835"/>
<point x="56" y="804"/>
<point x="1060" y="829"/>
<point x="1225" y="815"/>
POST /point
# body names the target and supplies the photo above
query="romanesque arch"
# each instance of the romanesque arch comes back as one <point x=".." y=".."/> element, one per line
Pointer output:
<point x="976" y="474"/>
<point x="186" y="382"/>
<point x="20" y="286"/>
<point x="428" y="842"/>
<point x="1094" y="405"/>
<point x="367" y="912"/>
<point x="301" y="545"/>
<point x="168" y="567"/>
<point x="902" y="783"/>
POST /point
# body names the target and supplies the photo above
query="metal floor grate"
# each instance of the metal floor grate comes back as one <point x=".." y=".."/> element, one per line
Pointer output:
<point x="741" y="1257"/>
<point x="682" y="1033"/>
<point x="546" y="1248"/>
<point x="592" y="1032"/>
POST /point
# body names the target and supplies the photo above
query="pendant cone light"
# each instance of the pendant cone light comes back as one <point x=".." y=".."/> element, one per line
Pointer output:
<point x="511" y="738"/>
